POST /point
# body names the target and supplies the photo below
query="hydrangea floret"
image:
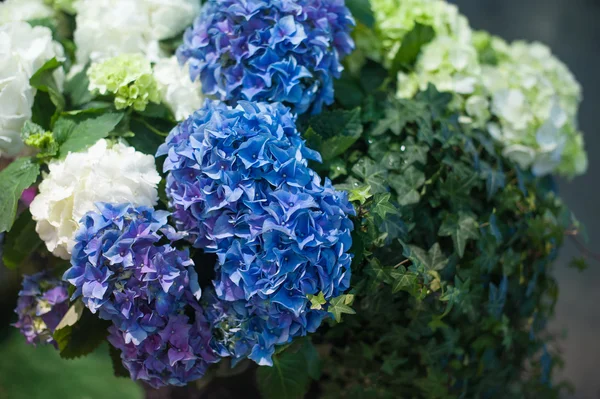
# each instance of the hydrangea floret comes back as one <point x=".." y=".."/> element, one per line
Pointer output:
<point x="121" y="271"/>
<point x="127" y="76"/>
<point x="240" y="185"/>
<point x="24" y="50"/>
<point x="395" y="18"/>
<point x="43" y="302"/>
<point x="535" y="99"/>
<point x="107" y="28"/>
<point x="175" y="354"/>
<point x="278" y="51"/>
<point x="106" y="172"/>
<point x="177" y="92"/>
<point x="23" y="10"/>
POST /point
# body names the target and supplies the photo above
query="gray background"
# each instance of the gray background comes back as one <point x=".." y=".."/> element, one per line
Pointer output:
<point x="572" y="29"/>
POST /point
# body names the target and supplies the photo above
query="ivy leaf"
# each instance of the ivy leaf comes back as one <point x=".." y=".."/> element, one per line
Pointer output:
<point x="87" y="133"/>
<point x="361" y="10"/>
<point x="434" y="260"/>
<point x="21" y="241"/>
<point x="461" y="228"/>
<point x="288" y="378"/>
<point x="382" y="207"/>
<point x="371" y="174"/>
<point x="333" y="132"/>
<point x="411" y="46"/>
<point x="494" y="179"/>
<point x="407" y="184"/>
<point x="83" y="337"/>
<point x="317" y="301"/>
<point x="338" y="306"/>
<point x="14" y="179"/>
<point x="404" y="281"/>
<point x="398" y="114"/>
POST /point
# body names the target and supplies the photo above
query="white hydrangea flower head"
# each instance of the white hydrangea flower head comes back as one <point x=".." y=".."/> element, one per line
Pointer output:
<point x="395" y="18"/>
<point x="107" y="28"/>
<point x="114" y="173"/>
<point x="23" y="10"/>
<point x="535" y="99"/>
<point x="177" y="92"/>
<point x="450" y="65"/>
<point x="23" y="50"/>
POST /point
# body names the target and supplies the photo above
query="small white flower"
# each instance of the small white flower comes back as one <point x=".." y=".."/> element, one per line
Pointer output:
<point x="23" y="10"/>
<point x="104" y="173"/>
<point x="176" y="89"/>
<point x="107" y="28"/>
<point x="23" y="50"/>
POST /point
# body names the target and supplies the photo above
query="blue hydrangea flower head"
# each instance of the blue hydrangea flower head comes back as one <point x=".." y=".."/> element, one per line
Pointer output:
<point x="42" y="304"/>
<point x="122" y="270"/>
<point x="174" y="354"/>
<point x="277" y="51"/>
<point x="239" y="181"/>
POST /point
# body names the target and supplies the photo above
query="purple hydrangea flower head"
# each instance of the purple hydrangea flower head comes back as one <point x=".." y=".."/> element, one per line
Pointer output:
<point x="42" y="304"/>
<point x="123" y="270"/>
<point x="174" y="354"/>
<point x="239" y="181"/>
<point x="277" y="51"/>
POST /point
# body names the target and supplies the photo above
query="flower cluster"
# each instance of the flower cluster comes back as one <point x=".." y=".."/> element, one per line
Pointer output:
<point x="240" y="185"/>
<point x="278" y="51"/>
<point x="24" y="50"/>
<point x="122" y="271"/>
<point x="177" y="92"/>
<point x="106" y="28"/>
<point x="42" y="304"/>
<point x="175" y="354"/>
<point x="104" y="173"/>
<point x="535" y="99"/>
<point x="127" y="76"/>
<point x="23" y="10"/>
<point x="395" y="18"/>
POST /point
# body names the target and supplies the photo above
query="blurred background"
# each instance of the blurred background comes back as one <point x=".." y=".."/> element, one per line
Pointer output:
<point x="571" y="29"/>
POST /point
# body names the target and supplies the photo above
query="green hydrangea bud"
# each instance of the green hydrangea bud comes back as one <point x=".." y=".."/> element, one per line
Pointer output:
<point x="127" y="76"/>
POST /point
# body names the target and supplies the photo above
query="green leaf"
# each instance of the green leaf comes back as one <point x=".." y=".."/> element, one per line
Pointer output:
<point x="407" y="185"/>
<point x="411" y="46"/>
<point x="313" y="363"/>
<point x="87" y="133"/>
<point x="382" y="206"/>
<point x="371" y="174"/>
<point x="360" y="194"/>
<point x="44" y="81"/>
<point x="118" y="369"/>
<point x="361" y="10"/>
<point x="21" y="241"/>
<point x="17" y="176"/>
<point x="333" y="132"/>
<point x="77" y="88"/>
<point x="404" y="280"/>
<point x="287" y="379"/>
<point x="398" y="114"/>
<point x="338" y="306"/>
<point x="461" y="228"/>
<point x="317" y="301"/>
<point x="83" y="337"/>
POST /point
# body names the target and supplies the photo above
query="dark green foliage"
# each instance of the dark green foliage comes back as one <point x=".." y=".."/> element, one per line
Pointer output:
<point x="83" y="337"/>
<point x="291" y="373"/>
<point x="17" y="176"/>
<point x="451" y="278"/>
